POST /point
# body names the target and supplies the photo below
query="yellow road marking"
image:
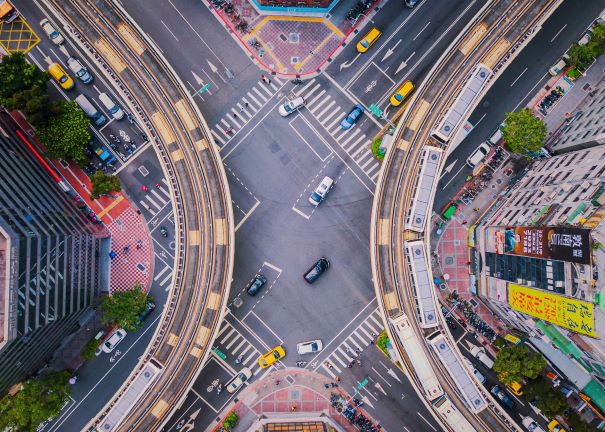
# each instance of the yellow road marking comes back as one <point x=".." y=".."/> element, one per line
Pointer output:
<point x="18" y="36"/>
<point x="110" y="206"/>
<point x="323" y="42"/>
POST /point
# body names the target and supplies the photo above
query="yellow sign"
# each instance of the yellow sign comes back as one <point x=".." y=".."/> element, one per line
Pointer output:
<point x="513" y="339"/>
<point x="575" y="315"/>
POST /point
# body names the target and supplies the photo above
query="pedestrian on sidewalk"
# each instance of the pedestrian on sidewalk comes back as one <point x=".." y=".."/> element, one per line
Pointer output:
<point x="476" y="209"/>
<point x="337" y="379"/>
<point x="464" y="222"/>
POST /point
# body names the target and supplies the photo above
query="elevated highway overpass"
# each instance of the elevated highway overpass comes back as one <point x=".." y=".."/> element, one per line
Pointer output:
<point x="203" y="212"/>
<point x="491" y="40"/>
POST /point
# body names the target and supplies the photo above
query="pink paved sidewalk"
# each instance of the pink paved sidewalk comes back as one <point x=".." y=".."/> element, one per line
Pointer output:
<point x="289" y="46"/>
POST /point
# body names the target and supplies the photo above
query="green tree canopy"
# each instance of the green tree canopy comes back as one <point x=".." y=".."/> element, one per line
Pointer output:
<point x="16" y="75"/>
<point x="104" y="184"/>
<point x="517" y="361"/>
<point x="39" y="400"/>
<point x="580" y="425"/>
<point x="550" y="401"/>
<point x="524" y="132"/>
<point x="66" y="135"/>
<point x="35" y="104"/>
<point x="123" y="308"/>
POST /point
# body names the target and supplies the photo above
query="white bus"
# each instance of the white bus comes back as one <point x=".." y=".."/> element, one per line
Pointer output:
<point x="452" y="416"/>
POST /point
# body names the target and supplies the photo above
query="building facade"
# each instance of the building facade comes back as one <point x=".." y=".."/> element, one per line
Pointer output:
<point x="50" y="260"/>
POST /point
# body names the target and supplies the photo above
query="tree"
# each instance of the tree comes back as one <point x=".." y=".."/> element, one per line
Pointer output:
<point x="104" y="184"/>
<point x="123" y="308"/>
<point x="88" y="352"/>
<point x="40" y="399"/>
<point x="66" y="135"/>
<point x="514" y="362"/>
<point x="231" y="420"/>
<point x="581" y="56"/>
<point x="550" y="401"/>
<point x="524" y="132"/>
<point x="16" y="75"/>
<point x="579" y="425"/>
<point x="35" y="105"/>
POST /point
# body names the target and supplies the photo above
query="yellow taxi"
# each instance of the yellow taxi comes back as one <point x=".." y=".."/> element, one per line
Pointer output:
<point x="555" y="426"/>
<point x="401" y="93"/>
<point x="368" y="40"/>
<point x="271" y="357"/>
<point x="58" y="73"/>
<point x="515" y="387"/>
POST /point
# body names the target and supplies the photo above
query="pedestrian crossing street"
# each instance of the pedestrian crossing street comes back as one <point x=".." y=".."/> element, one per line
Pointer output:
<point x="244" y="110"/>
<point x="231" y="342"/>
<point x="329" y="114"/>
<point x="156" y="198"/>
<point x="348" y="350"/>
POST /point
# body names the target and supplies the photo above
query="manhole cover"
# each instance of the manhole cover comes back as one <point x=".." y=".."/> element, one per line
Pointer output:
<point x="238" y="302"/>
<point x="456" y="242"/>
<point x="294" y="60"/>
<point x="294" y="394"/>
<point x="449" y="260"/>
<point x="283" y="37"/>
<point x="290" y="379"/>
<point x="493" y="186"/>
<point x="294" y="38"/>
<point x="499" y="181"/>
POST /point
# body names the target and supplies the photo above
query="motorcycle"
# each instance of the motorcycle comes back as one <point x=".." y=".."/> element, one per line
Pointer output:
<point x="164" y="231"/>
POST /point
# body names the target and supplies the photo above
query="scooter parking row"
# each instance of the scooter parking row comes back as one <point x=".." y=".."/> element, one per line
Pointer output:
<point x="358" y="10"/>
<point x="550" y="99"/>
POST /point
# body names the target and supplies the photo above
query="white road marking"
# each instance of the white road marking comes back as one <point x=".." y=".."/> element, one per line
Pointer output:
<point x="558" y="33"/>
<point x="301" y="213"/>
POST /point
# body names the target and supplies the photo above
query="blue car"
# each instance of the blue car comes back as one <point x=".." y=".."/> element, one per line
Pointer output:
<point x="352" y="117"/>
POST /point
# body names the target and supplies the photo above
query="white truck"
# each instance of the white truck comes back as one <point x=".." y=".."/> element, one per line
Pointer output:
<point x="479" y="353"/>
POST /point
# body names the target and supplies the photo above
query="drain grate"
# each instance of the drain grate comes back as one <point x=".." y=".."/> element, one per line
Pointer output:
<point x="449" y="260"/>
<point x="283" y="37"/>
<point x="290" y="379"/>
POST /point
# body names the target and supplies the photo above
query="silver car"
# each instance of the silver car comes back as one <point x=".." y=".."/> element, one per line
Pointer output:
<point x="244" y="375"/>
<point x="52" y="32"/>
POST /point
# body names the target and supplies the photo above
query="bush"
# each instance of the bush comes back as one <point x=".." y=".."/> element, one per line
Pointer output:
<point x="499" y="343"/>
<point x="381" y="342"/>
<point x="573" y="73"/>
<point x="88" y="353"/>
<point x="231" y="420"/>
<point x="376" y="149"/>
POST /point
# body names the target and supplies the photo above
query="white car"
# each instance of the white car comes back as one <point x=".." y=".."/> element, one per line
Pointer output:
<point x="320" y="192"/>
<point x="477" y="156"/>
<point x="291" y="106"/>
<point x="244" y="375"/>
<point x="112" y="342"/>
<point x="309" y="347"/>
<point x="52" y="32"/>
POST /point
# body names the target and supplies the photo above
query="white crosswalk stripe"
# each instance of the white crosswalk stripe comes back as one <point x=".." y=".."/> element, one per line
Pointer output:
<point x="329" y="115"/>
<point x="345" y="353"/>
<point x="233" y="343"/>
<point x="156" y="199"/>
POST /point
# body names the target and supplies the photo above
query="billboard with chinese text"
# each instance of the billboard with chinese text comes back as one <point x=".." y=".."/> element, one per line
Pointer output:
<point x="557" y="243"/>
<point x="575" y="315"/>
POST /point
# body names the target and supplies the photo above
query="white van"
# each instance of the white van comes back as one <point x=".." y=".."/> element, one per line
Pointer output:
<point x="531" y="425"/>
<point x="115" y="111"/>
<point x="289" y="107"/>
<point x="559" y="66"/>
<point x="113" y="341"/>
<point x="90" y="110"/>
<point x="478" y="155"/>
<point x="79" y="70"/>
<point x="321" y="191"/>
<point x="496" y="136"/>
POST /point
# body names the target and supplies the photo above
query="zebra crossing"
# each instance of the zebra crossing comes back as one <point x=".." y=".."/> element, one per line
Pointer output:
<point x="329" y="114"/>
<point x="244" y="110"/>
<point x="163" y="277"/>
<point x="230" y="340"/>
<point x="156" y="197"/>
<point x="358" y="340"/>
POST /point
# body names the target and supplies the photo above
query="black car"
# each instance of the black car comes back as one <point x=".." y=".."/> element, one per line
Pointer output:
<point x="317" y="269"/>
<point x="257" y="283"/>
<point x="146" y="312"/>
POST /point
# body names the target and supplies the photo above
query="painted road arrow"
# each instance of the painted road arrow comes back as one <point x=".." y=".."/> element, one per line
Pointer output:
<point x="214" y="69"/>
<point x="349" y="64"/>
<point x="367" y="401"/>
<point x="404" y="63"/>
<point x="448" y="169"/>
<point x="379" y="387"/>
<point x="390" y="51"/>
<point x="197" y="78"/>
<point x="393" y="374"/>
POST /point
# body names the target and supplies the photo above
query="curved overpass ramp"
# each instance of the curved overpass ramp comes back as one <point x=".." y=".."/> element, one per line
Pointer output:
<point x="498" y="31"/>
<point x="203" y="213"/>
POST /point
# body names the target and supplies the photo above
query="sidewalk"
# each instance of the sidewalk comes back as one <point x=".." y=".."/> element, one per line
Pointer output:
<point x="286" y="398"/>
<point x="290" y="46"/>
<point x="120" y="219"/>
